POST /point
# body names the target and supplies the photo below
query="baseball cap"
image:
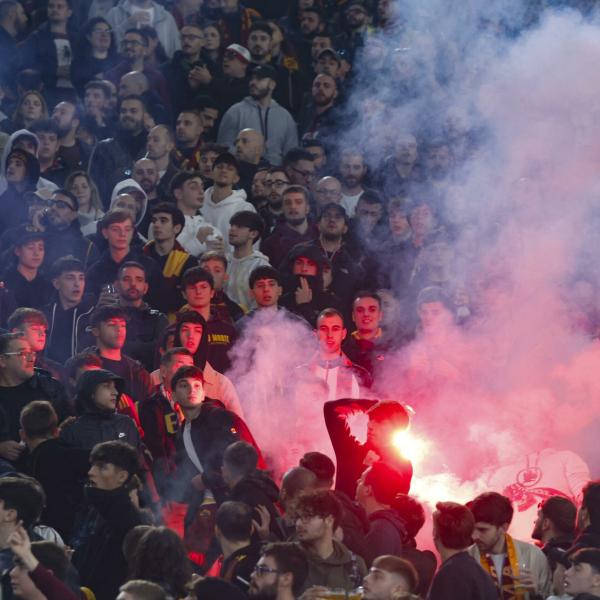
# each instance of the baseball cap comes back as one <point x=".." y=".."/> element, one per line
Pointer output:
<point x="357" y="4"/>
<point x="242" y="53"/>
<point x="329" y="52"/>
<point x="264" y="71"/>
<point x="334" y="207"/>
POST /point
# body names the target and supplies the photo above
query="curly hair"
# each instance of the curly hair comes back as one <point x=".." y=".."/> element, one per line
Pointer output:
<point x="161" y="557"/>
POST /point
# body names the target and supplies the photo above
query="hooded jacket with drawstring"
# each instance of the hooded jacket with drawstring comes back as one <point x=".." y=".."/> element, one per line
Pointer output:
<point x="163" y="23"/>
<point x="66" y="328"/>
<point x="13" y="208"/>
<point x="343" y="569"/>
<point x="218" y="214"/>
<point x="237" y="286"/>
<point x="120" y="188"/>
<point x="108" y="515"/>
<point x="320" y="299"/>
<point x="274" y="122"/>
<point x="387" y="532"/>
<point x="96" y="424"/>
<point x="41" y="184"/>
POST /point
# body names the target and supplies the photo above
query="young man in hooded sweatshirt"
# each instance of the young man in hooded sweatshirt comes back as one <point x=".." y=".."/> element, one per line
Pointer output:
<point x="221" y="201"/>
<point x="245" y="230"/>
<point x="98" y="394"/>
<point x="330" y="563"/>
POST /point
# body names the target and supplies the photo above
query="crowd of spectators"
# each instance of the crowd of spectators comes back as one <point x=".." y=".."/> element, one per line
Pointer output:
<point x="174" y="172"/>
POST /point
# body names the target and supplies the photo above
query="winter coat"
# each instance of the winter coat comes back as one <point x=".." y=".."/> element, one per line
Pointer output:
<point x="66" y="328"/>
<point x="160" y="423"/>
<point x="69" y="241"/>
<point x="105" y="270"/>
<point x="39" y="52"/>
<point x="112" y="161"/>
<point x="211" y="432"/>
<point x="218" y="214"/>
<point x="96" y="425"/>
<point x="62" y="471"/>
<point x="274" y="122"/>
<point x="462" y="578"/>
<point x="343" y="569"/>
<point x="386" y="534"/>
<point x="237" y="286"/>
<point x="98" y="539"/>
<point x="163" y="23"/>
<point x="144" y="327"/>
<point x="41" y="386"/>
<point x="282" y="240"/>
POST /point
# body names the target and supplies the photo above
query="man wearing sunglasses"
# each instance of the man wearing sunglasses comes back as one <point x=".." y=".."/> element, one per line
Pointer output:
<point x="63" y="232"/>
<point x="21" y="383"/>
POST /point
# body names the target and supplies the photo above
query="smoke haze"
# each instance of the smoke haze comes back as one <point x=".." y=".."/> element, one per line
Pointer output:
<point x="513" y="395"/>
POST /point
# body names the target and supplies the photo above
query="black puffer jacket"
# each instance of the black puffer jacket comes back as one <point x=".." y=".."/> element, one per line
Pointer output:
<point x="95" y="424"/>
<point x="98" y="538"/>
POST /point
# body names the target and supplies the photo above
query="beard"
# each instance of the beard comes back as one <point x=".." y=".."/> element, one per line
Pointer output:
<point x="267" y="593"/>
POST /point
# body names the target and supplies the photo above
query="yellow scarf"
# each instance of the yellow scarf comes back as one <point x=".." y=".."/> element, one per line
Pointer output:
<point x="510" y="573"/>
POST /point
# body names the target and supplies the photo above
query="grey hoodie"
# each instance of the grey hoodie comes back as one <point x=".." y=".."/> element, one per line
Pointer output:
<point x="118" y="17"/>
<point x="274" y="122"/>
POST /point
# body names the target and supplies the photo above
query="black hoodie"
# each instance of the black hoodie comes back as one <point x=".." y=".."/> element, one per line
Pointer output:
<point x="257" y="489"/>
<point x="321" y="299"/>
<point x="97" y="424"/>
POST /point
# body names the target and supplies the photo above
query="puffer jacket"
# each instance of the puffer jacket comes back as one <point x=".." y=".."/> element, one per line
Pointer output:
<point x="95" y="424"/>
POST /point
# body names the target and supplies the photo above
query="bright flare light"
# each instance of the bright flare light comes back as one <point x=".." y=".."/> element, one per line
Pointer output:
<point x="410" y="447"/>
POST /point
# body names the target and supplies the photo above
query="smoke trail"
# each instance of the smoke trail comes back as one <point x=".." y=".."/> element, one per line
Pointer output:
<point x="502" y="399"/>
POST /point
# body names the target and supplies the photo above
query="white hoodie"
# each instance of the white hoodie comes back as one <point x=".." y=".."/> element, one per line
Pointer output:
<point x="218" y="214"/>
<point x="238" y="274"/>
<point x="187" y="238"/>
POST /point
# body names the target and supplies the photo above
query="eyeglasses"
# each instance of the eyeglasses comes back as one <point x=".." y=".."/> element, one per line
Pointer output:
<point x="305" y="174"/>
<point x="131" y="43"/>
<point x="61" y="204"/>
<point x="264" y="570"/>
<point x="275" y="183"/>
<point x="101" y="30"/>
<point x="20" y="353"/>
